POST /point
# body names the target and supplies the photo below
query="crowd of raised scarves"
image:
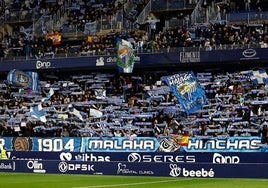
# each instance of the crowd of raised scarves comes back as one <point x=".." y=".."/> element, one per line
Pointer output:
<point x="134" y="105"/>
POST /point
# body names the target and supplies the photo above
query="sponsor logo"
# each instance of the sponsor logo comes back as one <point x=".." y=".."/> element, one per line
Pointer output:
<point x="100" y="61"/>
<point x="67" y="156"/>
<point x="42" y="64"/>
<point x="114" y="59"/>
<point x="92" y="157"/>
<point x="220" y="159"/>
<point x="123" y="169"/>
<point x="168" y="145"/>
<point x="7" y="166"/>
<point x="36" y="166"/>
<point x="248" y="53"/>
<point x="189" y="57"/>
<point x="26" y="159"/>
<point x="135" y="157"/>
<point x="64" y="167"/>
<point x="111" y="60"/>
<point x="176" y="171"/>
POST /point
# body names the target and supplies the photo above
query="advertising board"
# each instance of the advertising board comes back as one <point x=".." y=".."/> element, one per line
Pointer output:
<point x="144" y="157"/>
<point x="179" y="57"/>
<point x="199" y="170"/>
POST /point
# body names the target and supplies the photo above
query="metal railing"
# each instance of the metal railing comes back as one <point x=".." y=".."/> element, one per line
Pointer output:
<point x="101" y="26"/>
<point x="73" y="51"/>
<point x="210" y="14"/>
<point x="145" y="12"/>
<point x="20" y="15"/>
<point x="161" y="5"/>
<point x="199" y="14"/>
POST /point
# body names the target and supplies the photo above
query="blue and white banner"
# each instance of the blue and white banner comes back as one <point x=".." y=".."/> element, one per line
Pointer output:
<point x="139" y="144"/>
<point x="41" y="144"/>
<point x="26" y="80"/>
<point x="188" y="91"/>
<point x="80" y="144"/>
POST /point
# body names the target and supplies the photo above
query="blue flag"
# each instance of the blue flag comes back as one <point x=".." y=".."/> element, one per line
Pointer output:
<point x="188" y="91"/>
<point x="258" y="77"/>
<point x="75" y="112"/>
<point x="125" y="56"/>
<point x="26" y="80"/>
<point x="49" y="95"/>
<point x="38" y="113"/>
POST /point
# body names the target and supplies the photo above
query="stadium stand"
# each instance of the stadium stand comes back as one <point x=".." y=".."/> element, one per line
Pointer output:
<point x="80" y="36"/>
<point x="105" y="104"/>
<point x="141" y="104"/>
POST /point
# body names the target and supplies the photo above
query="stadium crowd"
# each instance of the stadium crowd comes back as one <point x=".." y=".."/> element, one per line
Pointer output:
<point x="205" y="36"/>
<point x="133" y="105"/>
<point x="102" y="104"/>
<point x="24" y="10"/>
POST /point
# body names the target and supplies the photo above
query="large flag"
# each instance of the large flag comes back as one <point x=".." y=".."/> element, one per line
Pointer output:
<point x="125" y="56"/>
<point x="38" y="113"/>
<point x="188" y="91"/>
<point x="26" y="80"/>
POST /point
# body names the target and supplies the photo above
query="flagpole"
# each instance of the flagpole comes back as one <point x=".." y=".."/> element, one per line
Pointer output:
<point x="101" y="24"/>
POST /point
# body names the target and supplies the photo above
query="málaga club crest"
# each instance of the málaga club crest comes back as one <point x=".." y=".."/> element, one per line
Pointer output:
<point x="125" y="56"/>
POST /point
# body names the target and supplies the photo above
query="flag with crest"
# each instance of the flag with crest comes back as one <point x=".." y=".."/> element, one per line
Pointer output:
<point x="24" y="79"/>
<point x="125" y="56"/>
<point x="187" y="89"/>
